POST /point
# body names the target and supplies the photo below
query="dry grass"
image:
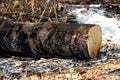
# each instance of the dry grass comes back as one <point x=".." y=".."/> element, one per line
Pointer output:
<point x="38" y="10"/>
<point x="31" y="10"/>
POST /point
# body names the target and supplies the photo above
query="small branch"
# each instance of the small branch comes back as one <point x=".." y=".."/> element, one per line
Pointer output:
<point x="44" y="9"/>
<point x="20" y="5"/>
<point x="32" y="6"/>
<point x="55" y="10"/>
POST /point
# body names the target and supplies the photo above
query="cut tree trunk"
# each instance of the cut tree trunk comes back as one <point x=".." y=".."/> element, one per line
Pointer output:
<point x="81" y="40"/>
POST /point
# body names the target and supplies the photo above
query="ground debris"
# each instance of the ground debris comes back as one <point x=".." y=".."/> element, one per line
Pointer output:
<point x="60" y="69"/>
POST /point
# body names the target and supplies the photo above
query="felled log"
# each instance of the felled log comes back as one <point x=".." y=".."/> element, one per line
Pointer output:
<point x="81" y="40"/>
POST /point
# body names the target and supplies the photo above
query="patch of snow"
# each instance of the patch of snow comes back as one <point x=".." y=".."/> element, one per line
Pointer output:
<point x="95" y="15"/>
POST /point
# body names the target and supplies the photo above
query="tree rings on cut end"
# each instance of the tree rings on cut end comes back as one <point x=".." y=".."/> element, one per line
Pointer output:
<point x="94" y="41"/>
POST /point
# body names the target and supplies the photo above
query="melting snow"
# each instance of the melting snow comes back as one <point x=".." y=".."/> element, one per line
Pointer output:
<point x="97" y="15"/>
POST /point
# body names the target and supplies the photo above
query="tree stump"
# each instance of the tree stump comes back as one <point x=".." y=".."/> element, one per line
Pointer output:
<point x="81" y="40"/>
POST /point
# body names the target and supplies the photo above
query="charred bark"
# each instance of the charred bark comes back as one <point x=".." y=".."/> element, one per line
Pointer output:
<point x="80" y="40"/>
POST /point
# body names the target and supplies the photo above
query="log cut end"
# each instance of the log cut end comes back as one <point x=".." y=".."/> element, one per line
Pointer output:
<point x="94" y="41"/>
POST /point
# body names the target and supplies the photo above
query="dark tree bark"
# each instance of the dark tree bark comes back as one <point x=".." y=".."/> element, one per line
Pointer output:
<point x="79" y="40"/>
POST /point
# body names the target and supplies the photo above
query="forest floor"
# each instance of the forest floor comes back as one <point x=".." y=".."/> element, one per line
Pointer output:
<point x="105" y="67"/>
<point x="20" y="68"/>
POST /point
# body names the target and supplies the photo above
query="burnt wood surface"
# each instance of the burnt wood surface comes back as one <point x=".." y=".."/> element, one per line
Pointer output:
<point x="49" y="38"/>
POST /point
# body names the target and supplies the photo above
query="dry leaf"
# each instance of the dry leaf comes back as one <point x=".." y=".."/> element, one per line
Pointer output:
<point x="42" y="60"/>
<point x="17" y="64"/>
<point x="72" y="70"/>
<point x="34" y="77"/>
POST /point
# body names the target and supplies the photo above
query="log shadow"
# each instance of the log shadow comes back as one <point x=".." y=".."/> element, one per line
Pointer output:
<point x="8" y="54"/>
